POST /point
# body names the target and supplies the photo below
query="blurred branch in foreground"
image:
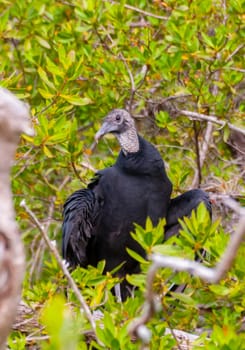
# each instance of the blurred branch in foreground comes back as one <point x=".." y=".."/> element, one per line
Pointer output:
<point x="14" y="120"/>
<point x="210" y="275"/>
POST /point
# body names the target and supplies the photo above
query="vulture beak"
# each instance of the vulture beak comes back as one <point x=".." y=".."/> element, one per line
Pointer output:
<point x="106" y="128"/>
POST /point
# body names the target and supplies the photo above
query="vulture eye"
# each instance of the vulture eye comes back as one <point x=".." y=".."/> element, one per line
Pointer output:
<point x="118" y="117"/>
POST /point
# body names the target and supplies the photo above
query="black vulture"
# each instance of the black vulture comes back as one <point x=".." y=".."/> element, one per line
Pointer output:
<point x="98" y="220"/>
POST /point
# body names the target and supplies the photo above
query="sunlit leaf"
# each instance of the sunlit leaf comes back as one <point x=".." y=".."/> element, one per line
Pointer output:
<point x="136" y="256"/>
<point x="44" y="77"/>
<point x="43" y="42"/>
<point x="45" y="93"/>
<point x="76" y="100"/>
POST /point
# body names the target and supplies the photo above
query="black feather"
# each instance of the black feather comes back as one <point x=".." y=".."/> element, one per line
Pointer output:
<point x="80" y="214"/>
<point x="98" y="220"/>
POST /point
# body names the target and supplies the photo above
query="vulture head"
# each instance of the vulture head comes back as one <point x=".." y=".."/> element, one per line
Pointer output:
<point x="120" y="123"/>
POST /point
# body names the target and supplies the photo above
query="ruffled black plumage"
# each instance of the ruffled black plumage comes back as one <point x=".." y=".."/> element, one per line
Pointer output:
<point x="98" y="220"/>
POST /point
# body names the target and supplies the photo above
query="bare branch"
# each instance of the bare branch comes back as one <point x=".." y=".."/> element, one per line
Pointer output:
<point x="198" y="173"/>
<point x="14" y="120"/>
<point x="129" y="72"/>
<point x="37" y="259"/>
<point x="235" y="69"/>
<point x="203" y="149"/>
<point x="134" y="88"/>
<point x="210" y="118"/>
<point x="206" y="142"/>
<point x="39" y="253"/>
<point x="203" y="152"/>
<point x="76" y="172"/>
<point x="131" y="80"/>
<point x="210" y="275"/>
<point x="234" y="52"/>
<point x="140" y="24"/>
<point x="136" y="9"/>
<point x="224" y="5"/>
<point x="18" y="52"/>
<point x="87" y="165"/>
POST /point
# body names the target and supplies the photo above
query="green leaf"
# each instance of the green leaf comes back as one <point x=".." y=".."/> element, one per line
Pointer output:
<point x="136" y="280"/>
<point x="108" y="322"/>
<point x="43" y="42"/>
<point x="57" y="138"/>
<point x="76" y="100"/>
<point x="46" y="94"/>
<point x="185" y="298"/>
<point x="4" y="17"/>
<point x="44" y="78"/>
<point x="148" y="224"/>
<point x="167" y="249"/>
<point x="44" y="124"/>
<point x="136" y="256"/>
<point x="47" y="152"/>
<point x="53" y="68"/>
<point x="226" y="133"/>
<point x="162" y="119"/>
<point x="219" y="289"/>
<point x="63" y="57"/>
<point x="208" y="40"/>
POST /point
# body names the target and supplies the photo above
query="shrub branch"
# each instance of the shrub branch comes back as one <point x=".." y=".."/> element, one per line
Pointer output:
<point x="210" y="275"/>
<point x="210" y="118"/>
<point x="63" y="267"/>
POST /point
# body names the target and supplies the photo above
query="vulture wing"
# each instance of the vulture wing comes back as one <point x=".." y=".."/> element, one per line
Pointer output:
<point x="80" y="217"/>
<point x="182" y="206"/>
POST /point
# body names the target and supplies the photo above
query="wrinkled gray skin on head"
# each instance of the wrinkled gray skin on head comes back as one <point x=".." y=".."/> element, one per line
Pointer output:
<point x="120" y="123"/>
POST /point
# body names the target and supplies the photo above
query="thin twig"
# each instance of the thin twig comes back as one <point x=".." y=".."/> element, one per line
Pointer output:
<point x="203" y="152"/>
<point x="224" y="5"/>
<point x="22" y="67"/>
<point x="210" y="118"/>
<point x="88" y="166"/>
<point x="206" y="142"/>
<point x="171" y="331"/>
<point x="120" y="55"/>
<point x="64" y="182"/>
<point x="36" y="266"/>
<point x="136" y="9"/>
<point x="139" y="24"/>
<point x="234" y="52"/>
<point x="133" y="89"/>
<point x="77" y="173"/>
<point x="63" y="266"/>
<point x="24" y="156"/>
<point x="131" y="77"/>
<point x="235" y="69"/>
<point x="37" y="263"/>
<point x="198" y="174"/>
<point x="203" y="149"/>
<point x="26" y="165"/>
<point x="47" y="107"/>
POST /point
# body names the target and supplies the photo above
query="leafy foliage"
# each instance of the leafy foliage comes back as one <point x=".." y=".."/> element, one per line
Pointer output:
<point x="73" y="61"/>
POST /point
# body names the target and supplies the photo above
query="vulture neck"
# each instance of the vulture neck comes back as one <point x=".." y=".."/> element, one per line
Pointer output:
<point x="129" y="141"/>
